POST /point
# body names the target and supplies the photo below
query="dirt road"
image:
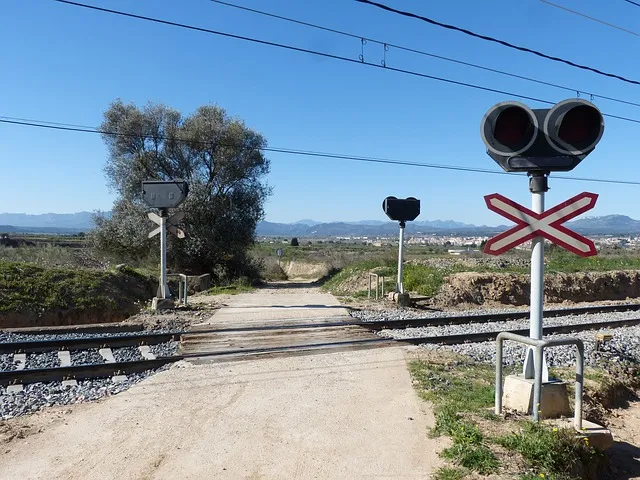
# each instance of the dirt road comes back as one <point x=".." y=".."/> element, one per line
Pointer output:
<point x="333" y="415"/>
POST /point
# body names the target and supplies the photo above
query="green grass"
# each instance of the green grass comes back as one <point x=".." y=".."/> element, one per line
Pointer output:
<point x="382" y="266"/>
<point x="455" y="389"/>
<point x="26" y="287"/>
<point x="556" y="453"/>
<point x="465" y="387"/>
<point x="450" y="473"/>
<point x="462" y="392"/>
<point x="233" y="289"/>
<point x="564" y="262"/>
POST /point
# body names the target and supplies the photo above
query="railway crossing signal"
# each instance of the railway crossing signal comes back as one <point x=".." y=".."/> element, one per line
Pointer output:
<point x="540" y="141"/>
<point x="402" y="210"/>
<point x="554" y="139"/>
<point x="548" y="224"/>
<point x="164" y="195"/>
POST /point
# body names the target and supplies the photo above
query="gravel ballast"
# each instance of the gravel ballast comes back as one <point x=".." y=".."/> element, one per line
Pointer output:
<point x="625" y="345"/>
<point x="7" y="363"/>
<point x="42" y="360"/>
<point x="86" y="357"/>
<point x="167" y="349"/>
<point x="126" y="354"/>
<point x="36" y="396"/>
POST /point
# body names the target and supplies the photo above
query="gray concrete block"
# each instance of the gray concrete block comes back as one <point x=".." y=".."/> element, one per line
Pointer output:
<point x="107" y="354"/>
<point x="65" y="358"/>
<point x="518" y="395"/>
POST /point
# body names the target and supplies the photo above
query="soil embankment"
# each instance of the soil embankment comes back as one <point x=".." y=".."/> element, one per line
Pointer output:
<point x="32" y="296"/>
<point x="513" y="289"/>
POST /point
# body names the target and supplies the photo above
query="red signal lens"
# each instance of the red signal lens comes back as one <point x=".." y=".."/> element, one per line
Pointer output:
<point x="513" y="127"/>
<point x="580" y="126"/>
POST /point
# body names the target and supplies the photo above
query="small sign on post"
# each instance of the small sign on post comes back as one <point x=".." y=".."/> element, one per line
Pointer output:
<point x="279" y="253"/>
<point x="164" y="195"/>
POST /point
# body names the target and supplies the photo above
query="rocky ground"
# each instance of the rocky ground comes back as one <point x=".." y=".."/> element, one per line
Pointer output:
<point x="36" y="396"/>
<point x="624" y="346"/>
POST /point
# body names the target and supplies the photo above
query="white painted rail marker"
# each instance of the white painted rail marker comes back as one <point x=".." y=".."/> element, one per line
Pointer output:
<point x="547" y="224"/>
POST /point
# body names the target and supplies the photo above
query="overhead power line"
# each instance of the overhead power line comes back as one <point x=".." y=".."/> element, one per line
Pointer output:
<point x="302" y="50"/>
<point x="425" y="53"/>
<point x="633" y="3"/>
<point x="327" y="55"/>
<point x="292" y="151"/>
<point x="498" y="41"/>
<point x="561" y="7"/>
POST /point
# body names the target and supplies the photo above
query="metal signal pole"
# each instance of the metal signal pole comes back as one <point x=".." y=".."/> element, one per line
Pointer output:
<point x="538" y="185"/>
<point x="400" y="287"/>
<point x="164" y="288"/>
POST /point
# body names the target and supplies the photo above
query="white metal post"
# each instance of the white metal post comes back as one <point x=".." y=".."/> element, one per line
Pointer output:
<point x="399" y="286"/>
<point x="164" y="289"/>
<point x="538" y="188"/>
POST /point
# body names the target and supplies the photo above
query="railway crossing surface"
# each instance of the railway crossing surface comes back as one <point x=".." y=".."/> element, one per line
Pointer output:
<point x="338" y="414"/>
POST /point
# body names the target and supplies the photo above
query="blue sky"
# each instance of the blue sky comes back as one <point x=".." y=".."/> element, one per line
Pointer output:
<point x="65" y="64"/>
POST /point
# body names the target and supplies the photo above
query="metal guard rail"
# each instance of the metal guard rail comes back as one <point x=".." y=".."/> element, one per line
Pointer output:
<point x="539" y="346"/>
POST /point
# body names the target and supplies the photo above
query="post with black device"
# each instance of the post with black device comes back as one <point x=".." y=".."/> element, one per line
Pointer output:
<point x="402" y="211"/>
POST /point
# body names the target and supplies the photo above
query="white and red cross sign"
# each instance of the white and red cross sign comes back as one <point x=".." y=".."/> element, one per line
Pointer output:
<point x="547" y="224"/>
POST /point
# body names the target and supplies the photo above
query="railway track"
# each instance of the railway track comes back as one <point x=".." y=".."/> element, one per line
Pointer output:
<point x="290" y="338"/>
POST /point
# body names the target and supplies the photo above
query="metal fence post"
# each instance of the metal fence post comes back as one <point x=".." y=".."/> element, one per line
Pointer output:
<point x="579" y="386"/>
<point x="537" y="386"/>
<point x="498" y="402"/>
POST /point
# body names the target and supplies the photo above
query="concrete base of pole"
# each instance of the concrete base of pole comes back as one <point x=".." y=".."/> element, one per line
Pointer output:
<point x="403" y="299"/>
<point x="162" y="304"/>
<point x="518" y="395"/>
<point x="599" y="437"/>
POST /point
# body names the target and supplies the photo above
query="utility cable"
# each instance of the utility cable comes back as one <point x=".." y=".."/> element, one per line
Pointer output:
<point x="498" y="41"/>
<point x="427" y="54"/>
<point x="597" y="20"/>
<point x="302" y="50"/>
<point x="327" y="55"/>
<point x="633" y="3"/>
<point x="291" y="151"/>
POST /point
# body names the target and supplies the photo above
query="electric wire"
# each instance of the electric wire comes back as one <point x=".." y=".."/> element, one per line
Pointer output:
<point x="303" y="50"/>
<point x="328" y="55"/>
<point x="496" y="40"/>
<point x="291" y="151"/>
<point x="633" y="3"/>
<point x="597" y="20"/>
<point x="427" y="54"/>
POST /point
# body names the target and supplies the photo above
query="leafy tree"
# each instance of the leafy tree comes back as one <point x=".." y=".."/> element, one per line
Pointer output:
<point x="294" y="242"/>
<point x="218" y="156"/>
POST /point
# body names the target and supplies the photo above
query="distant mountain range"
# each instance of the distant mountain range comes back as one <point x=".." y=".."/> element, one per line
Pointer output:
<point x="607" y="225"/>
<point x="71" y="223"/>
<point x="76" y="221"/>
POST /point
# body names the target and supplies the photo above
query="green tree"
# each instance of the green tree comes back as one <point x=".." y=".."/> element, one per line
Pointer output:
<point x="218" y="156"/>
<point x="294" y="242"/>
